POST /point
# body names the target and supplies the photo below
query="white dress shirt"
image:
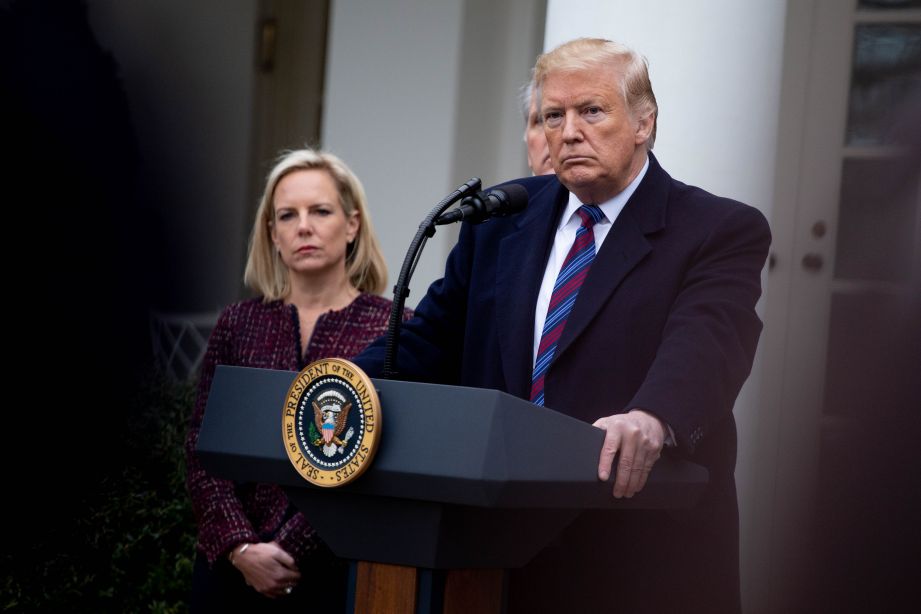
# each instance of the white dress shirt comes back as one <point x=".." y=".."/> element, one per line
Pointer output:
<point x="565" y="235"/>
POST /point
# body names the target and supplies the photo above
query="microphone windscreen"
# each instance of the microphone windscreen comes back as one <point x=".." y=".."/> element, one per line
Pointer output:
<point x="516" y="197"/>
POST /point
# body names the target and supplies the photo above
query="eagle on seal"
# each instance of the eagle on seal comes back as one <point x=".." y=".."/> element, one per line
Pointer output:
<point x="330" y="420"/>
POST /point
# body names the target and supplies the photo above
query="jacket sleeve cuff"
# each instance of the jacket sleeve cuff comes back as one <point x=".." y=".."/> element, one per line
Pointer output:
<point x="297" y="537"/>
<point x="214" y="549"/>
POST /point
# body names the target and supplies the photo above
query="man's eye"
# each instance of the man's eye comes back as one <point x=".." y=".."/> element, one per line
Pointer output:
<point x="553" y="118"/>
<point x="593" y="110"/>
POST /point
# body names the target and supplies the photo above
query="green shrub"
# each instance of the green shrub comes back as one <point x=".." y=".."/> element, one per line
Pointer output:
<point x="130" y="545"/>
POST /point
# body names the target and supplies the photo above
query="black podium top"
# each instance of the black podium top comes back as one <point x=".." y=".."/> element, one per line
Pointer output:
<point x="464" y="477"/>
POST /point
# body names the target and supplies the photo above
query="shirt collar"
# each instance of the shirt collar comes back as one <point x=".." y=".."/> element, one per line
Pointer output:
<point x="611" y="208"/>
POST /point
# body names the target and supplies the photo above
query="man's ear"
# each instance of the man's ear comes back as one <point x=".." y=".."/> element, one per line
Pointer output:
<point x="644" y="127"/>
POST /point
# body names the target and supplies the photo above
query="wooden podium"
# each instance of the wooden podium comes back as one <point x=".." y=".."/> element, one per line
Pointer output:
<point x="467" y="483"/>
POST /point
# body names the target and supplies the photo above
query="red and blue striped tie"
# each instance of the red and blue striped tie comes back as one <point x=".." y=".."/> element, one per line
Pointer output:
<point x="565" y="291"/>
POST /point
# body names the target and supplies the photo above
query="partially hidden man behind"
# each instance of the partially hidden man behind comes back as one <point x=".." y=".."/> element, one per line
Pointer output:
<point x="648" y="333"/>
<point x="534" y="138"/>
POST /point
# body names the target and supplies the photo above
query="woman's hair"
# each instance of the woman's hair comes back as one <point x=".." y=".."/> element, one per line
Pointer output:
<point x="267" y="274"/>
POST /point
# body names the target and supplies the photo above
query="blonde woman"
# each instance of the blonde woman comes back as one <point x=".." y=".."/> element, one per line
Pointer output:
<point x="317" y="266"/>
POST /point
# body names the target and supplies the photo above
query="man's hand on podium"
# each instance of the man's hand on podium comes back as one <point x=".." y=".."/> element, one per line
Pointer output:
<point x="639" y="437"/>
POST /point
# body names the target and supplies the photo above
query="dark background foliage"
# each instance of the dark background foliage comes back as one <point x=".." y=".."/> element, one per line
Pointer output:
<point x="96" y="515"/>
<point x="126" y="545"/>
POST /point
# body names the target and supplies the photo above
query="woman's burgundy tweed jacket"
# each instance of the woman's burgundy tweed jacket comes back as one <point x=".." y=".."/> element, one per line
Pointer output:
<point x="254" y="333"/>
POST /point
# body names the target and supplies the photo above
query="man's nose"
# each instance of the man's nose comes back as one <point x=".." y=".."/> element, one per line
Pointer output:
<point x="572" y="130"/>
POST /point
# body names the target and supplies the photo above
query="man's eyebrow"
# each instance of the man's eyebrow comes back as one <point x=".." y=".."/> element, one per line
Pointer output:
<point x="588" y="101"/>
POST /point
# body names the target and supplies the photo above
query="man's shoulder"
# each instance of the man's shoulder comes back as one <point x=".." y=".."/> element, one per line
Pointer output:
<point x="696" y="205"/>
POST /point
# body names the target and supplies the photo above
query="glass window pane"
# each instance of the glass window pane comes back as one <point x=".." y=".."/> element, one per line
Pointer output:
<point x="877" y="219"/>
<point x="888" y="4"/>
<point x="887" y="71"/>
<point x="872" y="357"/>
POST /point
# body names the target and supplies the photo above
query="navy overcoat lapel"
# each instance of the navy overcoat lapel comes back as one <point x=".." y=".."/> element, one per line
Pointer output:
<point x="625" y="247"/>
<point x="522" y="260"/>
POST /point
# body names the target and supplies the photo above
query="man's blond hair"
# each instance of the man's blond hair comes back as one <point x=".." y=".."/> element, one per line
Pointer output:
<point x="627" y="65"/>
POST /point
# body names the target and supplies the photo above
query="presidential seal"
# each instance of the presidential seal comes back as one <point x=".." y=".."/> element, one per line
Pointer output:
<point x="331" y="422"/>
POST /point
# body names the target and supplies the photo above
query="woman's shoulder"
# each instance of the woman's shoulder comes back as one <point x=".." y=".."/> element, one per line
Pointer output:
<point x="251" y="310"/>
<point x="373" y="302"/>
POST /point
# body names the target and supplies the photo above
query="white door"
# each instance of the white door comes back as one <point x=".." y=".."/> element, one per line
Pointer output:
<point x="837" y="344"/>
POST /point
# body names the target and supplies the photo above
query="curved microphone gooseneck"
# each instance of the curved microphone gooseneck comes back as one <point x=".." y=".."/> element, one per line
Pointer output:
<point x="401" y="289"/>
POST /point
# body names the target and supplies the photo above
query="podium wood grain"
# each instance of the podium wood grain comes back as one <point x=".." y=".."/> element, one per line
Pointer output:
<point x="474" y="590"/>
<point x="385" y="589"/>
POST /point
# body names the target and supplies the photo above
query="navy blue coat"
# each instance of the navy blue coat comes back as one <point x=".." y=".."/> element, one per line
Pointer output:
<point x="665" y="322"/>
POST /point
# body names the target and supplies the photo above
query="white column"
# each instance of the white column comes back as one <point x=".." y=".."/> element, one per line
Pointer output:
<point x="420" y="96"/>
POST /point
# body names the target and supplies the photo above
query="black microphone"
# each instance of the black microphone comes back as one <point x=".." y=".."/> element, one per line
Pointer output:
<point x="507" y="199"/>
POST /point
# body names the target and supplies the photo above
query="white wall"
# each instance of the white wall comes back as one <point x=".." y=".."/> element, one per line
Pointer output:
<point x="716" y="71"/>
<point x="391" y="96"/>
<point x="421" y="96"/>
